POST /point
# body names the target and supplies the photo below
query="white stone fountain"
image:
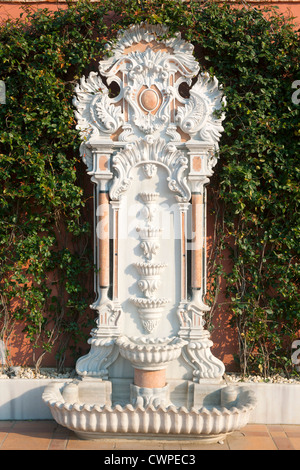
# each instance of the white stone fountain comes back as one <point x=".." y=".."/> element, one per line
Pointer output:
<point x="150" y="151"/>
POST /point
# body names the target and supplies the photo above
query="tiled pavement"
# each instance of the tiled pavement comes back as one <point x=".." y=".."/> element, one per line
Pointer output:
<point x="48" y="435"/>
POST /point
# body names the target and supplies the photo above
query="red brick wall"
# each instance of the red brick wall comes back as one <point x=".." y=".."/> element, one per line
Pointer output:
<point x="13" y="9"/>
<point x="223" y="336"/>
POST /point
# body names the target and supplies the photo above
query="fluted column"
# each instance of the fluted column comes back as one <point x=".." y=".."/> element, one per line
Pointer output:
<point x="102" y="177"/>
<point x="103" y="242"/>
<point x="197" y="352"/>
<point x="198" y="255"/>
<point x="115" y="206"/>
<point x="103" y="350"/>
<point x="183" y="209"/>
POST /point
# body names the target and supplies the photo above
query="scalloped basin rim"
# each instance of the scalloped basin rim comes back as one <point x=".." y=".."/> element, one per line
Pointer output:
<point x="150" y="264"/>
<point x="216" y="410"/>
<point x="145" y="340"/>
<point x="99" y="419"/>
<point x="150" y="344"/>
<point x="152" y="303"/>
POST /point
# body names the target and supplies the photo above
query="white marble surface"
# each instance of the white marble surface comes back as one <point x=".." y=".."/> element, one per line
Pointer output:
<point x="276" y="403"/>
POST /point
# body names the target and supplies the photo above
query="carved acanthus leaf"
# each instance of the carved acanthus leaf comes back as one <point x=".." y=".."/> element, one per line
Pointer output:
<point x="185" y="61"/>
<point x="95" y="113"/>
<point x="191" y="117"/>
<point x="205" y="364"/>
<point x="197" y="117"/>
<point x="110" y="117"/>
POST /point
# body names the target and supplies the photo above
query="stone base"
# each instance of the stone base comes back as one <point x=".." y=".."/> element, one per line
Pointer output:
<point x="209" y="439"/>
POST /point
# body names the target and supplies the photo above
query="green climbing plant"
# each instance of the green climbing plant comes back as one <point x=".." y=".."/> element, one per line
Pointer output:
<point x="44" y="230"/>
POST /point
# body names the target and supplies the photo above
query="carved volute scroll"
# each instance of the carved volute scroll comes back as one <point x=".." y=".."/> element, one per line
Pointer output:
<point x="150" y="145"/>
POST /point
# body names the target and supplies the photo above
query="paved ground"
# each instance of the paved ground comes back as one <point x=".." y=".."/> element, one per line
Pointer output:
<point x="48" y="435"/>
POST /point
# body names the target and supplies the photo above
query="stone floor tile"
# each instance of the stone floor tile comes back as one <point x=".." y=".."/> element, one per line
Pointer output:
<point x="245" y="441"/>
<point x="74" y="443"/>
<point x="29" y="435"/>
<point x="199" y="447"/>
<point x="16" y="441"/>
<point x="199" y="444"/>
<point x="48" y="435"/>
<point x="60" y="438"/>
<point x="143" y="444"/>
<point x="291" y="430"/>
<point x="58" y="444"/>
<point x="277" y="433"/>
<point x="39" y="426"/>
<point x="275" y="428"/>
<point x="5" y="426"/>
<point x="255" y="427"/>
<point x="256" y="430"/>
<point x="3" y="436"/>
<point x="295" y="441"/>
<point x="283" y="443"/>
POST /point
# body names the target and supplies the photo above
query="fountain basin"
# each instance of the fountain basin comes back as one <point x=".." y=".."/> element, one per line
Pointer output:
<point x="150" y="311"/>
<point x="95" y="421"/>
<point x="148" y="353"/>
<point x="150" y="269"/>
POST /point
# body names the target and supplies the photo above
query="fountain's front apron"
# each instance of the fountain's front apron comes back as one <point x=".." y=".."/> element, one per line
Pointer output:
<point x="150" y="123"/>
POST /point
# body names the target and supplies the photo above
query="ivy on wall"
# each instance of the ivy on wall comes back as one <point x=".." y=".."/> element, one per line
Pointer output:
<point x="44" y="255"/>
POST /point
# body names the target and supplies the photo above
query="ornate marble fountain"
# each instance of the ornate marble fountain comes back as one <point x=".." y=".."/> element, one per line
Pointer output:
<point x="150" y="146"/>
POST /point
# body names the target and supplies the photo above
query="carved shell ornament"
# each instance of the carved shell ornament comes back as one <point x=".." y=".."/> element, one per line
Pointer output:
<point x="146" y="152"/>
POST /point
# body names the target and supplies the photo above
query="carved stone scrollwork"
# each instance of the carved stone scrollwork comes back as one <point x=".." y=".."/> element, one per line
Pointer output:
<point x="149" y="286"/>
<point x="197" y="118"/>
<point x="144" y="397"/>
<point x="155" y="153"/>
<point x="97" y="115"/>
<point x="103" y="350"/>
<point x="197" y="353"/>
<point x="149" y="89"/>
<point x="102" y="354"/>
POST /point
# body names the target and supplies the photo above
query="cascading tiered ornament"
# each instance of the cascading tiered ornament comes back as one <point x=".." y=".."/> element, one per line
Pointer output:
<point x="150" y="152"/>
<point x="150" y="307"/>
